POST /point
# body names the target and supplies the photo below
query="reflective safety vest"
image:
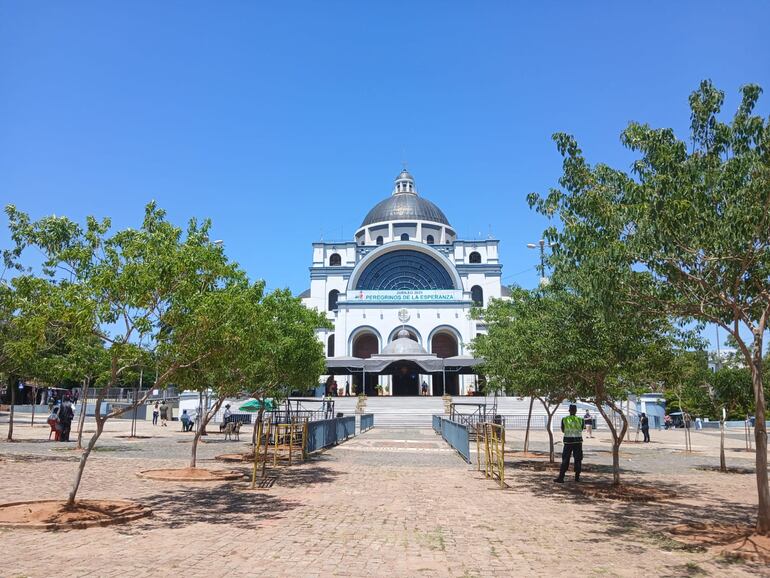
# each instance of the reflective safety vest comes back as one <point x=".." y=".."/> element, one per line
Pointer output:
<point x="573" y="429"/>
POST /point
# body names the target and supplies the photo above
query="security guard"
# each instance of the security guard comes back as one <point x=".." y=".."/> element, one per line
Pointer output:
<point x="572" y="426"/>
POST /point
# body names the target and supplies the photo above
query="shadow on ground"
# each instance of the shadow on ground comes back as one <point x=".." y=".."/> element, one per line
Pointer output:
<point x="644" y="524"/>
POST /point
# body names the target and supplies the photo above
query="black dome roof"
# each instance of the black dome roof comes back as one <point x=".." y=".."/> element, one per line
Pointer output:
<point x="405" y="206"/>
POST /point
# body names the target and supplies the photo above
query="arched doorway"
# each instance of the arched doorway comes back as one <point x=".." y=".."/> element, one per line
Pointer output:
<point x="444" y="344"/>
<point x="365" y="344"/>
<point x="406" y="378"/>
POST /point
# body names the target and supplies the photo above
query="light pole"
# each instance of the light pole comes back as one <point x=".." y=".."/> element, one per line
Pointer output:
<point x="541" y="243"/>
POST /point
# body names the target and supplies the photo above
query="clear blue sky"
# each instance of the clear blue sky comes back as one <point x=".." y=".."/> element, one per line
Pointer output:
<point x="284" y="121"/>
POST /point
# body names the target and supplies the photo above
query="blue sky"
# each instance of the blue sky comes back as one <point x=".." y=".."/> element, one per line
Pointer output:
<point x="286" y="121"/>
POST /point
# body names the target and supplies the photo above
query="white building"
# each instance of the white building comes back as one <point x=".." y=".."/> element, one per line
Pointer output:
<point x="404" y="272"/>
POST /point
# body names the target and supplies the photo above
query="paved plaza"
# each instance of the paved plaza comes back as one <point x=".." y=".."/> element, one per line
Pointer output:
<point x="392" y="502"/>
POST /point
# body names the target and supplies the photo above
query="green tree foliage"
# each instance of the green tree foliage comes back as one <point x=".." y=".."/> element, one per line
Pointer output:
<point x="521" y="349"/>
<point x="693" y="219"/>
<point x="129" y="288"/>
<point x="30" y="332"/>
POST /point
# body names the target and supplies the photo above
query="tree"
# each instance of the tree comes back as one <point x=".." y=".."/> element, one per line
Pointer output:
<point x="694" y="220"/>
<point x="129" y="288"/>
<point x="521" y="349"/>
<point x="29" y="332"/>
<point x="235" y="311"/>
<point x="282" y="351"/>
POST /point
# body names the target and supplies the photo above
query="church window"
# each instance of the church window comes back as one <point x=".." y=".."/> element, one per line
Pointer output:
<point x="333" y="296"/>
<point x="429" y="239"/>
<point x="404" y="269"/>
<point x="477" y="296"/>
<point x="335" y="260"/>
<point x="379" y="240"/>
<point x="405" y="237"/>
<point x="330" y="346"/>
<point x="474" y="257"/>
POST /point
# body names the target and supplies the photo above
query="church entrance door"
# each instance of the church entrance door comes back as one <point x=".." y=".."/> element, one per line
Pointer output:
<point x="406" y="379"/>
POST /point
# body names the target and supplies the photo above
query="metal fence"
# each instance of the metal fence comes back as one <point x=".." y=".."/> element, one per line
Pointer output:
<point x="456" y="435"/>
<point x="437" y="424"/>
<point x="329" y="432"/>
<point x="367" y="421"/>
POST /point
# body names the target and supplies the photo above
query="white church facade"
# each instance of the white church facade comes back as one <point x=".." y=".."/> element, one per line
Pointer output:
<point x="399" y="296"/>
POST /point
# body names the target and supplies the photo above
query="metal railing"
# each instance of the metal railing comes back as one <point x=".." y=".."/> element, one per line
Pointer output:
<point x="329" y="432"/>
<point x="437" y="424"/>
<point x="456" y="435"/>
<point x="367" y="421"/>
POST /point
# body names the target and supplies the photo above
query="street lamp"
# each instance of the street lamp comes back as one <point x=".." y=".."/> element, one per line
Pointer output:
<point x="541" y="243"/>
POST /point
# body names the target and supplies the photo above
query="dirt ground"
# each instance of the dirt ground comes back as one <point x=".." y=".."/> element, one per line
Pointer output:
<point x="387" y="503"/>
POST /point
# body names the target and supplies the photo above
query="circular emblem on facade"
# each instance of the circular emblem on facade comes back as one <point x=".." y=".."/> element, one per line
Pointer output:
<point x="403" y="315"/>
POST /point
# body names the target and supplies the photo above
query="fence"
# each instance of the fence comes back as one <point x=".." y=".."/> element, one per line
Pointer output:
<point x="328" y="432"/>
<point x="367" y="422"/>
<point x="494" y="452"/>
<point x="437" y="424"/>
<point x="456" y="435"/>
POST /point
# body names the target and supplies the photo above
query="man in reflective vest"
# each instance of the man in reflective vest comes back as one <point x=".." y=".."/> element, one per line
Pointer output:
<point x="572" y="426"/>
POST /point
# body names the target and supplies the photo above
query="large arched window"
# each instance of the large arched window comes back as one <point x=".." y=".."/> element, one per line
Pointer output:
<point x="474" y="257"/>
<point x="429" y="239"/>
<point x="379" y="240"/>
<point x="330" y="346"/>
<point x="477" y="295"/>
<point x="404" y="269"/>
<point x="405" y="236"/>
<point x="335" y="260"/>
<point x="333" y="296"/>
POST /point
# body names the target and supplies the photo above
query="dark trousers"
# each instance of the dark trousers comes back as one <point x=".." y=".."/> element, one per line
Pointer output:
<point x="65" y="431"/>
<point x="571" y="449"/>
<point x="646" y="433"/>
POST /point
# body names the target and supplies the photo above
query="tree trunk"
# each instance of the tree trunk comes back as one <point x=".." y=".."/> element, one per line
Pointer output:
<point x="617" y="439"/>
<point x="529" y="418"/>
<point x="82" y="419"/>
<point x="722" y="462"/>
<point x="82" y="465"/>
<point x="100" y="421"/>
<point x="260" y="415"/>
<point x="549" y="423"/>
<point x="760" y="438"/>
<point x="202" y="428"/>
<point x="12" y="386"/>
<point x="34" y="405"/>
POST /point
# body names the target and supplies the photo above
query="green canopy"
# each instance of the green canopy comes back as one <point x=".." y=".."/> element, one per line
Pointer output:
<point x="256" y="405"/>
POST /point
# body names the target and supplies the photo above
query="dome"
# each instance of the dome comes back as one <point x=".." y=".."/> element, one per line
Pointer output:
<point x="405" y="205"/>
<point x="403" y="345"/>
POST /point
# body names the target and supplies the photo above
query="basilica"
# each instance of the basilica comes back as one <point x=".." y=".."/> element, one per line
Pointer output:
<point x="399" y="295"/>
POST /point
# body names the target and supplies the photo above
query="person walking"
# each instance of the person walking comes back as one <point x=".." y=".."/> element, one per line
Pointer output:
<point x="155" y="414"/>
<point x="572" y="427"/>
<point x="424" y="390"/>
<point x="163" y="414"/>
<point x="645" y="423"/>
<point x="347" y="388"/>
<point x="66" y="414"/>
<point x="589" y="423"/>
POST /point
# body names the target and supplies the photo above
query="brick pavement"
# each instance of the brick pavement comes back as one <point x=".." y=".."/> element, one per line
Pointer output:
<point x="390" y="503"/>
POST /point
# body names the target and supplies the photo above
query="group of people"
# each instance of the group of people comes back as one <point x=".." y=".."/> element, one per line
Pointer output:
<point x="60" y="418"/>
<point x="162" y="411"/>
<point x="333" y="390"/>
